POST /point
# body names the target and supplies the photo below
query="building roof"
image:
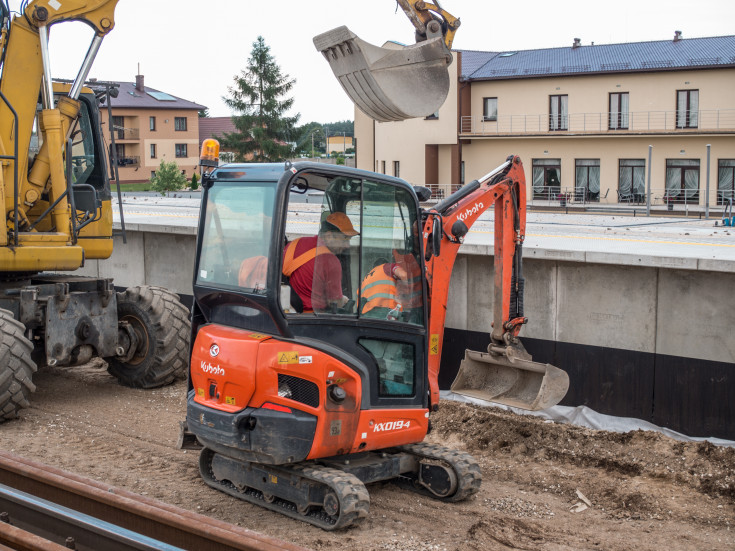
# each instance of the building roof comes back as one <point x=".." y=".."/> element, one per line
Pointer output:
<point x="129" y="97"/>
<point x="213" y="127"/>
<point x="662" y="55"/>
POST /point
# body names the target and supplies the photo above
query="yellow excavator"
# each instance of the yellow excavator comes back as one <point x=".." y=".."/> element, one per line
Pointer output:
<point x="56" y="200"/>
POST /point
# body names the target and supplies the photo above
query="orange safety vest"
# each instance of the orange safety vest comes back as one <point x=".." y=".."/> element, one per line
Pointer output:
<point x="291" y="264"/>
<point x="378" y="290"/>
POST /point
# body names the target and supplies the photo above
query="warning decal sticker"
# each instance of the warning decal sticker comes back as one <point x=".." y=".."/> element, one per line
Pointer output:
<point x="434" y="345"/>
<point x="288" y="357"/>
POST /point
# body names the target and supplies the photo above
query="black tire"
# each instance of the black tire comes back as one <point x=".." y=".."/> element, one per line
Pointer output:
<point x="161" y="325"/>
<point x="16" y="367"/>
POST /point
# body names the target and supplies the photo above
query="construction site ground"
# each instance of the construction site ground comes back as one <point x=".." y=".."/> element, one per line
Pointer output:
<point x="638" y="490"/>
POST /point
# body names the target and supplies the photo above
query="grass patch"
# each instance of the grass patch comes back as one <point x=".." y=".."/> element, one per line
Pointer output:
<point x="144" y="186"/>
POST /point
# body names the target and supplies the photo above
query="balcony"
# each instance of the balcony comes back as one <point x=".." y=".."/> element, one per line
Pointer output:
<point x="128" y="160"/>
<point x="126" y="133"/>
<point x="639" y="122"/>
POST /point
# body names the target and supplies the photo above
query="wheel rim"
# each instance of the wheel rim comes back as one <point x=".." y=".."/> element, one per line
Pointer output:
<point x="141" y="350"/>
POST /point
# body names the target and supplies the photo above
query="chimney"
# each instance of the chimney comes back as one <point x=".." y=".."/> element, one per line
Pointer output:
<point x="139" y="83"/>
<point x="677" y="36"/>
<point x="577" y="43"/>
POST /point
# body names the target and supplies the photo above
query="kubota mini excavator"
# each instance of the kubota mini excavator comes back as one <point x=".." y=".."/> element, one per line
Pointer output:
<point x="297" y="411"/>
<point x="56" y="202"/>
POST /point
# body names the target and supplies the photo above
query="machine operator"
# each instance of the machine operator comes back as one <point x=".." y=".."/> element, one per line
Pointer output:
<point x="313" y="269"/>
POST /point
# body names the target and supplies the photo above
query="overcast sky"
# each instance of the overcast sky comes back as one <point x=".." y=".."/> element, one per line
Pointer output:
<point x="193" y="49"/>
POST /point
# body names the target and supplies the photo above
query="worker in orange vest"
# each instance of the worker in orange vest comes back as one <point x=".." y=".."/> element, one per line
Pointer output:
<point x="313" y="269"/>
<point x="391" y="289"/>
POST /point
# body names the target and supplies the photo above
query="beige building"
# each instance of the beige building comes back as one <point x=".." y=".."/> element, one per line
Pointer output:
<point x="581" y="118"/>
<point x="339" y="143"/>
<point x="151" y="126"/>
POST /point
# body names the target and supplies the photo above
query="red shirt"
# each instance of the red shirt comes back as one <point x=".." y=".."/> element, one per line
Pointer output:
<point x="319" y="281"/>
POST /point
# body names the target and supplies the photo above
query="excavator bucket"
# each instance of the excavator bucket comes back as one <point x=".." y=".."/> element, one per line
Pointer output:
<point x="388" y="84"/>
<point x="507" y="379"/>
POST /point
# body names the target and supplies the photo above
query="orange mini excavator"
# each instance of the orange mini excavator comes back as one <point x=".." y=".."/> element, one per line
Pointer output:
<point x="298" y="409"/>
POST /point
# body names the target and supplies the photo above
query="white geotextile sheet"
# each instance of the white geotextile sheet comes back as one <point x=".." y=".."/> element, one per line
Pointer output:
<point x="583" y="416"/>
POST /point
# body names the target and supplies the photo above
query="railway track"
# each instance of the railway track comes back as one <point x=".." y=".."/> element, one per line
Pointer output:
<point x="44" y="508"/>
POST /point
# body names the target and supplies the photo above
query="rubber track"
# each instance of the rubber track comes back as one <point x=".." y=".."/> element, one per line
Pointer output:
<point x="469" y="476"/>
<point x="168" y="318"/>
<point x="352" y="494"/>
<point x="16" y="367"/>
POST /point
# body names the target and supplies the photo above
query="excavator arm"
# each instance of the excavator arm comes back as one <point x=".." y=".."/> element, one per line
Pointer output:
<point x="425" y="17"/>
<point x="26" y="71"/>
<point x="504" y="374"/>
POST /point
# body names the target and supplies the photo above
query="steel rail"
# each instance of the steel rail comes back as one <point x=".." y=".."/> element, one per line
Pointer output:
<point x="100" y="507"/>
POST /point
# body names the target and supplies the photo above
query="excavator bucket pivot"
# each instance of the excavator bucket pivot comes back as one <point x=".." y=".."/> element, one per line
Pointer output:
<point x="388" y="84"/>
<point x="507" y="379"/>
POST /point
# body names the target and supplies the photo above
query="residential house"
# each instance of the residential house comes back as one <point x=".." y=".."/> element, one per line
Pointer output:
<point x="216" y="127"/>
<point x="339" y="143"/>
<point x="151" y="126"/>
<point x="581" y="118"/>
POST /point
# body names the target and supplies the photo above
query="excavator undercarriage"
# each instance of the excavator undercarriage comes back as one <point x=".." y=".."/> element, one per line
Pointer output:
<point x="330" y="493"/>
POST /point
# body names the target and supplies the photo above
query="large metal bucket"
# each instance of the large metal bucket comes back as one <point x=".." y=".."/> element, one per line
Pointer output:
<point x="510" y="380"/>
<point x="388" y="84"/>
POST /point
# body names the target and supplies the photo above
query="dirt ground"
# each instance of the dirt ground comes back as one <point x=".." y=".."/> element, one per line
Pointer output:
<point x="646" y="491"/>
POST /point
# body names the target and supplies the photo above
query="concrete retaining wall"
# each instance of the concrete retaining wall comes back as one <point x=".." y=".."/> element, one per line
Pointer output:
<point x="651" y="341"/>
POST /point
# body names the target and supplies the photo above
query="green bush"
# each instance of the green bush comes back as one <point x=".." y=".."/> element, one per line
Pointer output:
<point x="168" y="178"/>
<point x="194" y="184"/>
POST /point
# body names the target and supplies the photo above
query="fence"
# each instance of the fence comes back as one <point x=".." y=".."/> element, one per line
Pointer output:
<point x="639" y="121"/>
<point x="672" y="199"/>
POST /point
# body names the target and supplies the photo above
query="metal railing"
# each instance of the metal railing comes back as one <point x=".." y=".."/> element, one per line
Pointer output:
<point x="660" y="197"/>
<point x="127" y="133"/>
<point x="128" y="160"/>
<point x="637" y="121"/>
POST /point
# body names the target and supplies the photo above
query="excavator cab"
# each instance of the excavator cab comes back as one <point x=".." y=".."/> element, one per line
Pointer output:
<point x="246" y="244"/>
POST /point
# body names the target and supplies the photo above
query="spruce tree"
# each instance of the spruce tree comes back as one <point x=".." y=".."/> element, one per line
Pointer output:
<point x="257" y="98"/>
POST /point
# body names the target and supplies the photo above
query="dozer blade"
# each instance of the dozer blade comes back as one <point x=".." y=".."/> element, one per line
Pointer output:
<point x="510" y="380"/>
<point x="388" y="84"/>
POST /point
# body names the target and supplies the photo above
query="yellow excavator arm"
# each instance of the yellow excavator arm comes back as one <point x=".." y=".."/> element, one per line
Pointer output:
<point x="428" y="19"/>
<point x="98" y="14"/>
<point x="24" y="189"/>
